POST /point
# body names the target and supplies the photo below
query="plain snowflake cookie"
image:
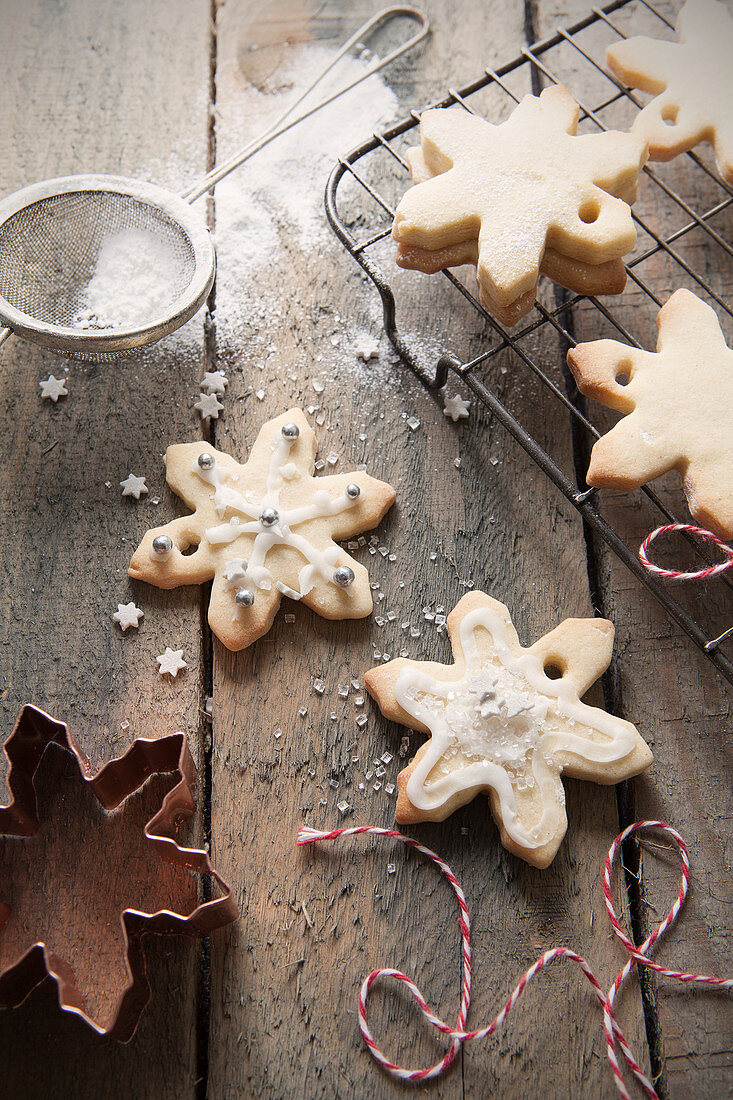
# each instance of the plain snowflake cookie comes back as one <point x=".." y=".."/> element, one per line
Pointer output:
<point x="499" y="724"/>
<point x="678" y="406"/>
<point x="692" y="81"/>
<point x="525" y="196"/>
<point x="264" y="529"/>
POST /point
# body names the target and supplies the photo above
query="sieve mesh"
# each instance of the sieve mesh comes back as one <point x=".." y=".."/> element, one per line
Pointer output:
<point x="51" y="249"/>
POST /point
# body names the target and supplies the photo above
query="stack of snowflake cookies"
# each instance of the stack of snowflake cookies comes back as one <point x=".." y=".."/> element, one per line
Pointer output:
<point x="530" y="196"/>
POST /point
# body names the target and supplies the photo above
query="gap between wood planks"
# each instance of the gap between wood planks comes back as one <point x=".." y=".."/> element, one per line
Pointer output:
<point x="203" y="1012"/>
<point x="612" y="697"/>
<point x="630" y="861"/>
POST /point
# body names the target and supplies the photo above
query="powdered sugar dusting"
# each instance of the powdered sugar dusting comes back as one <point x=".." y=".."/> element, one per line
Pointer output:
<point x="135" y="280"/>
<point x="278" y="195"/>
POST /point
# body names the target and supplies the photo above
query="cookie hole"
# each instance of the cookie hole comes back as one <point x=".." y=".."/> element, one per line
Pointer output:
<point x="623" y="373"/>
<point x="589" y="212"/>
<point x="189" y="548"/>
<point x="552" y="672"/>
<point x="669" y="115"/>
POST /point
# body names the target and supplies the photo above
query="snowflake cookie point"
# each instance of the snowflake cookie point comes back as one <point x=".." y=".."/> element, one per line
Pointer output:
<point x="266" y="527"/>
<point x="498" y="723"/>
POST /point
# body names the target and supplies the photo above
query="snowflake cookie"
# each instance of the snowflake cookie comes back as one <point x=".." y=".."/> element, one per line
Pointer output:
<point x="264" y="529"/>
<point x="692" y="81"/>
<point x="499" y="724"/>
<point x="526" y="196"/>
<point x="679" y="406"/>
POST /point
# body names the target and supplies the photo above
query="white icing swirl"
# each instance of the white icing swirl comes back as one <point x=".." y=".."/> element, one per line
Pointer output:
<point x="498" y="726"/>
<point x="320" y="564"/>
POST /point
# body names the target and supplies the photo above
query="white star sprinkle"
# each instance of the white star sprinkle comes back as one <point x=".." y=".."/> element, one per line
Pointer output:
<point x="214" y="381"/>
<point x="456" y="407"/>
<point x="171" y="662"/>
<point x="368" y="351"/>
<point x="133" y="486"/>
<point x="127" y="615"/>
<point x="208" y="406"/>
<point x="53" y="388"/>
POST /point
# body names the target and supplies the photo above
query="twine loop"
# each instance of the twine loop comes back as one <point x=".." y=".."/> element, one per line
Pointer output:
<point x="677" y="574"/>
<point x="457" y="1033"/>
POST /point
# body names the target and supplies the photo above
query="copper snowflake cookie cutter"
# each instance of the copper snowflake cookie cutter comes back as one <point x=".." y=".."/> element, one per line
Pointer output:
<point x="112" y="785"/>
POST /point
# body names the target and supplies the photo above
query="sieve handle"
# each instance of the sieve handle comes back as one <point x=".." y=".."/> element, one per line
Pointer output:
<point x="4" y="333"/>
<point x="279" y="126"/>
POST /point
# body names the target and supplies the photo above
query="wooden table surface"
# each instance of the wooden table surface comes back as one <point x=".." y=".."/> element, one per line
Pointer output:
<point x="267" y="1007"/>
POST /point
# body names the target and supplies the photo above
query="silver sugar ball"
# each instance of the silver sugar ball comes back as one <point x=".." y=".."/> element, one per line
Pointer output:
<point x="244" y="598"/>
<point x="353" y="491"/>
<point x="290" y="430"/>
<point x="269" y="517"/>
<point x="162" y="544"/>
<point x="206" y="461"/>
<point x="343" y="576"/>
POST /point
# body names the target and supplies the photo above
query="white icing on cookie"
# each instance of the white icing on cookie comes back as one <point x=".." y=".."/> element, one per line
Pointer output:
<point x="498" y="727"/>
<point x="277" y="532"/>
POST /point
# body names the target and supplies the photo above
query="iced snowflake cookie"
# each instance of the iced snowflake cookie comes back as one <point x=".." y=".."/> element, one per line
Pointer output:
<point x="526" y="196"/>
<point x="497" y="723"/>
<point x="264" y="529"/>
<point x="679" y="406"/>
<point x="692" y="81"/>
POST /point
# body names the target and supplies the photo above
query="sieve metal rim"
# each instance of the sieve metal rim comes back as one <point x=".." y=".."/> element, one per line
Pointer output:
<point x="65" y="338"/>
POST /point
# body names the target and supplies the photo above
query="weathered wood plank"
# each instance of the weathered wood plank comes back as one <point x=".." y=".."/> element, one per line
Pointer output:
<point x="291" y="307"/>
<point x="106" y="87"/>
<point x="660" y="681"/>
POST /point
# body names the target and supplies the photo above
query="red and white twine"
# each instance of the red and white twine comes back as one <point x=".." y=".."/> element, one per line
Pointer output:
<point x="677" y="574"/>
<point x="457" y="1033"/>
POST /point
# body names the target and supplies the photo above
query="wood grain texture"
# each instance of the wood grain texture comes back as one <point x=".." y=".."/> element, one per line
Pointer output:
<point x="659" y="680"/>
<point x="284" y="983"/>
<point x="116" y="89"/>
<point x="103" y="87"/>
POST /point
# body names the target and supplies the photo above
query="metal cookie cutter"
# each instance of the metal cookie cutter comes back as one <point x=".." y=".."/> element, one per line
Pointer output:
<point x="33" y="732"/>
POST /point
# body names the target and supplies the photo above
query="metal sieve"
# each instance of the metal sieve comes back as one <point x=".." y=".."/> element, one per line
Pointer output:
<point x="54" y="234"/>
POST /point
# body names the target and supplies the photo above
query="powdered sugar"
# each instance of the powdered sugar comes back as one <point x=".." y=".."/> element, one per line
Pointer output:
<point x="134" y="281"/>
<point x="280" y="191"/>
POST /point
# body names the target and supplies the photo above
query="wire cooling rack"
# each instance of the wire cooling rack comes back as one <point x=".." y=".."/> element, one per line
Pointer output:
<point x="672" y="234"/>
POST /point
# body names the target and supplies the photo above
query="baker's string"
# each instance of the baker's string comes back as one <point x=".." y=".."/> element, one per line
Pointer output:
<point x="457" y="1033"/>
<point x="677" y="574"/>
